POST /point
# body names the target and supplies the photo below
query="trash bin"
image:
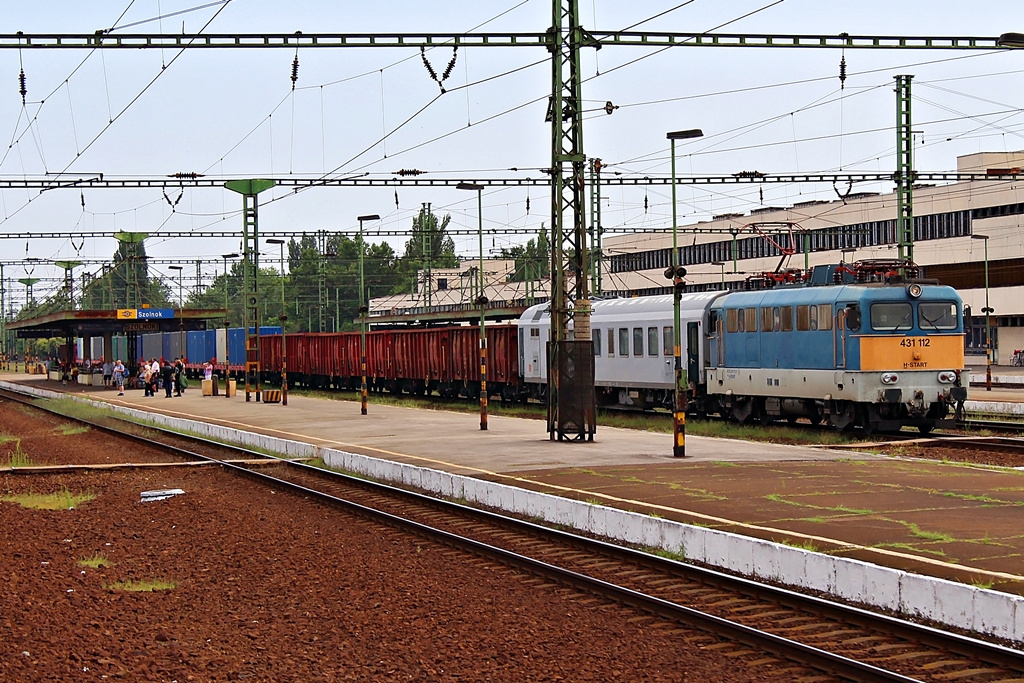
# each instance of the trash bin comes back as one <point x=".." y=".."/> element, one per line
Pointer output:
<point x="207" y="387"/>
<point x="231" y="388"/>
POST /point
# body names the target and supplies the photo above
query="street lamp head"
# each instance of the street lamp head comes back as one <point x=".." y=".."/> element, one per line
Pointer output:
<point x="370" y="217"/>
<point x="227" y="256"/>
<point x="274" y="240"/>
<point x="469" y="186"/>
<point x="976" y="236"/>
<point x="174" y="267"/>
<point x="718" y="263"/>
<point x="685" y="134"/>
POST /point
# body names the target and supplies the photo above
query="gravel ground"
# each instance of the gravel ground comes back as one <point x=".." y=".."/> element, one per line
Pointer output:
<point x="270" y="587"/>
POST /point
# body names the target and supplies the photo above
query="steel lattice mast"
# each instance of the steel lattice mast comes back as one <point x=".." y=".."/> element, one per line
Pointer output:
<point x="571" y="402"/>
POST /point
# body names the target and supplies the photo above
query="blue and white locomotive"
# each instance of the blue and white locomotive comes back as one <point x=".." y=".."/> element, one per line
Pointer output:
<point x="851" y="345"/>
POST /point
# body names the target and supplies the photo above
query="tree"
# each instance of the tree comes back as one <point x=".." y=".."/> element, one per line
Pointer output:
<point x="429" y="247"/>
<point x="531" y="260"/>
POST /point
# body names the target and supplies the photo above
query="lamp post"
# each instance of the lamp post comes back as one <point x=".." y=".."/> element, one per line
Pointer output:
<point x="364" y="308"/>
<point x="988" y="310"/>
<point x="226" y="257"/>
<point x="481" y="300"/>
<point x="722" y="264"/>
<point x="227" y="325"/>
<point x="284" y="337"/>
<point x="676" y="272"/>
<point x="181" y="315"/>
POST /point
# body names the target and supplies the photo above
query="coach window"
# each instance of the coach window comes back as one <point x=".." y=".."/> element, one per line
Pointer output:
<point x="825" y="316"/>
<point x="787" y="318"/>
<point x="803" y="318"/>
<point x="731" y="320"/>
<point x="597" y="341"/>
<point x="652" y="341"/>
<point x="638" y="341"/>
<point x="623" y="341"/>
<point x="937" y="315"/>
<point x="751" y="319"/>
<point x="892" y="316"/>
<point x="668" y="341"/>
<point x="611" y="342"/>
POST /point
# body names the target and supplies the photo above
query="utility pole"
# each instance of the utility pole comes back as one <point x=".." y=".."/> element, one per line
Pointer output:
<point x="572" y="407"/>
<point x="249" y="189"/>
<point x="595" y="226"/>
<point x="904" y="172"/>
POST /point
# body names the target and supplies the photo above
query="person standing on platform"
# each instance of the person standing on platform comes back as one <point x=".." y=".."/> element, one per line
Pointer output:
<point x="179" y="377"/>
<point x="154" y="376"/>
<point x="108" y="372"/>
<point x="167" y="374"/>
<point x="119" y="373"/>
<point x="146" y="375"/>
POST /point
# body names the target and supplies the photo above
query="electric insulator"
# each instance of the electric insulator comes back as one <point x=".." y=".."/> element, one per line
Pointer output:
<point x="396" y="199"/>
<point x="430" y="69"/>
<point x="451" y="64"/>
<point x="527" y="205"/>
<point x="23" y="90"/>
<point x="190" y="175"/>
<point x="645" y="203"/>
<point x="409" y="171"/>
<point x="842" y="73"/>
<point x="295" y="71"/>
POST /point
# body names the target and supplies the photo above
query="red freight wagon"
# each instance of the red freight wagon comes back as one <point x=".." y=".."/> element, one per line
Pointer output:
<point x="441" y="359"/>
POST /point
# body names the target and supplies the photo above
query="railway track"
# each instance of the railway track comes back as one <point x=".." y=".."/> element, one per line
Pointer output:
<point x="798" y="631"/>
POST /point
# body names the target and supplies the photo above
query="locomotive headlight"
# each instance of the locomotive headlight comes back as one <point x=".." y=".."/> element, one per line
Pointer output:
<point x="947" y="376"/>
<point x="915" y="290"/>
<point x="890" y="378"/>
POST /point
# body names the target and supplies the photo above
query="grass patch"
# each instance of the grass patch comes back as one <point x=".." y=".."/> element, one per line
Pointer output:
<point x="95" y="561"/>
<point x="778" y="498"/>
<point x="59" y="500"/>
<point x="929" y="535"/>
<point x="677" y="555"/>
<point x="72" y="429"/>
<point x="802" y="545"/>
<point x="18" y="457"/>
<point x="143" y="586"/>
<point x="911" y="548"/>
<point x="6" y="438"/>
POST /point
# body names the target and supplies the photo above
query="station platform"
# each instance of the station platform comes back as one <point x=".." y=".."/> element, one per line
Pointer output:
<point x="924" y="516"/>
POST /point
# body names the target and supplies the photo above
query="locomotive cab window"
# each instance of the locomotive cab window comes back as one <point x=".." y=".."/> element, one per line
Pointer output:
<point x="937" y="315"/>
<point x="891" y="317"/>
<point x="824" y="316"/>
<point x="803" y="318"/>
<point x="787" y="318"/>
<point x="732" y="320"/>
<point x="750" y="315"/>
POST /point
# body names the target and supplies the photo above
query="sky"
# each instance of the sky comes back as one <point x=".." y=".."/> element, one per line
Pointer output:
<point x="233" y="113"/>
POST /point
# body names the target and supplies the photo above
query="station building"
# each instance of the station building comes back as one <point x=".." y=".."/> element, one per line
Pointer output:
<point x="953" y="223"/>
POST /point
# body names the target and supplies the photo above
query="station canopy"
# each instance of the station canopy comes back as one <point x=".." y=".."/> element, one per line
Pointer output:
<point x="70" y="324"/>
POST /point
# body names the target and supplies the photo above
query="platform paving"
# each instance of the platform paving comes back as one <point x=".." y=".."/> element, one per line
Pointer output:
<point x="941" y="519"/>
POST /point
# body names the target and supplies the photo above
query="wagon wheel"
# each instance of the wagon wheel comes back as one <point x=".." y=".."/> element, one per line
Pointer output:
<point x="742" y="410"/>
<point x="842" y="415"/>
